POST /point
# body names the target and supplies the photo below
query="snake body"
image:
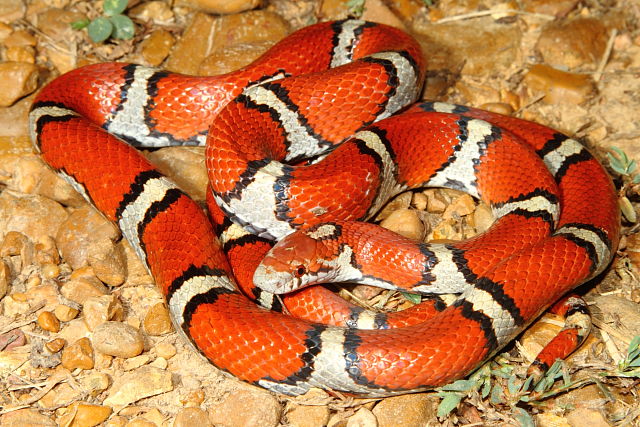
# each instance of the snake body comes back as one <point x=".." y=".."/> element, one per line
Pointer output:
<point x="278" y="162"/>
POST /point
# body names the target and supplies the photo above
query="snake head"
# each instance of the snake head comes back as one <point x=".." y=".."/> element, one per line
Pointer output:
<point x="303" y="258"/>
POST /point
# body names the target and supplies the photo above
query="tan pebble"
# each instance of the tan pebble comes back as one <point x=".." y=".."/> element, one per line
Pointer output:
<point x="118" y="339"/>
<point x="81" y="414"/>
<point x="55" y="23"/>
<point x="50" y="271"/>
<point x="64" y="313"/>
<point x="445" y="231"/>
<point x="98" y="310"/>
<point x="419" y="201"/>
<point x="20" y="38"/>
<point x="407" y="410"/>
<point x="82" y="228"/>
<point x="137" y="273"/>
<point x="17" y="79"/>
<point x="13" y="243"/>
<point x="635" y="295"/>
<point x="5" y="30"/>
<point x="498" y="107"/>
<point x="55" y="345"/>
<point x="406" y="223"/>
<point x="136" y="362"/>
<point x="141" y="422"/>
<point x="482" y="218"/>
<point x="103" y="361"/>
<point x="26" y="417"/>
<point x="166" y="350"/>
<point x="160" y="362"/>
<point x="193" y="398"/>
<point x="33" y="215"/>
<point x="308" y="416"/>
<point x="573" y="43"/>
<point x="231" y="58"/>
<point x="185" y="167"/>
<point x="435" y="201"/>
<point x="19" y="297"/>
<point x="108" y="261"/>
<point x="157" y="320"/>
<point x="20" y="54"/>
<point x="155" y="416"/>
<point x="362" y="418"/>
<point x="365" y="292"/>
<point x="117" y="421"/>
<point x="460" y="207"/>
<point x="265" y="409"/>
<point x="78" y="355"/>
<point x="48" y="321"/>
<point x="188" y="417"/>
<point x="47" y="251"/>
<point x="548" y="419"/>
<point x="403" y="201"/>
<point x="33" y="281"/>
<point x="81" y="289"/>
<point x="95" y="383"/>
<point x="378" y="11"/>
<point x="135" y="385"/>
<point x="158" y="12"/>
<point x="559" y="87"/>
<point x="222" y="7"/>
<point x="5" y="278"/>
<point x="157" y="47"/>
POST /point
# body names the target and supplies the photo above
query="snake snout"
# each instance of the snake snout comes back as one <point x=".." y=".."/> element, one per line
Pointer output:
<point x="271" y="280"/>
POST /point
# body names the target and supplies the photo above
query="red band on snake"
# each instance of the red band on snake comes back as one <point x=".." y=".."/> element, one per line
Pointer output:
<point x="557" y="226"/>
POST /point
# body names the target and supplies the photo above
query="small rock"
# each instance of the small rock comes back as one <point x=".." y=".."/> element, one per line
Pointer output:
<point x="48" y="322"/>
<point x="362" y="418"/>
<point x="17" y="79"/>
<point x="548" y="419"/>
<point x="482" y="218"/>
<point x="406" y="223"/>
<point x="498" y="107"/>
<point x="12" y="339"/>
<point x="403" y="201"/>
<point x="231" y="58"/>
<point x="308" y="416"/>
<point x="55" y="345"/>
<point x="185" y="167"/>
<point x="74" y="330"/>
<point x="98" y="310"/>
<point x="166" y="350"/>
<point x="61" y="395"/>
<point x="56" y="23"/>
<point x="12" y="10"/>
<point x="559" y="86"/>
<point x="136" y="362"/>
<point x="205" y="35"/>
<point x="26" y="416"/>
<point x="47" y="253"/>
<point x="157" y="321"/>
<point x="32" y="215"/>
<point x="408" y="410"/>
<point x="50" y="271"/>
<point x="21" y="54"/>
<point x="419" y="201"/>
<point x="193" y="417"/>
<point x="459" y="207"/>
<point x="231" y="411"/>
<point x="143" y="382"/>
<point x="157" y="46"/>
<point x="81" y="414"/>
<point x="5" y="278"/>
<point x="160" y="362"/>
<point x="558" y="8"/>
<point x="78" y="355"/>
<point x="64" y="313"/>
<point x="118" y="339"/>
<point x="446" y="230"/>
<point x="108" y="261"/>
<point x="157" y="12"/>
<point x="95" y="383"/>
<point x="435" y="201"/>
<point x="82" y="288"/>
<point x="574" y="43"/>
<point x="84" y="227"/>
<point x="221" y="7"/>
<point x="378" y="11"/>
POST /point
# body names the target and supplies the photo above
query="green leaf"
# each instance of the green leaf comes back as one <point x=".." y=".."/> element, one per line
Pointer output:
<point x="124" y="28"/>
<point x="356" y="6"/>
<point x="524" y="418"/>
<point x="486" y="389"/>
<point x="496" y="394"/>
<point x="448" y="404"/>
<point x="100" y="29"/>
<point x="78" y="25"/>
<point x="114" y="7"/>
<point x="460" y="385"/>
<point x="414" y="298"/>
<point x="512" y="386"/>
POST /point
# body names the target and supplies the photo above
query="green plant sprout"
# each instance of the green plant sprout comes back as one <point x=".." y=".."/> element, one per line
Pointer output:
<point x="113" y="24"/>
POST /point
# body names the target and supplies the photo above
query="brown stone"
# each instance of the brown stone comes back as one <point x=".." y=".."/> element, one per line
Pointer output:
<point x="118" y="339"/>
<point x="34" y="216"/>
<point x="559" y="86"/>
<point x="55" y="23"/>
<point x="17" y="79"/>
<point x="157" y="47"/>
<point x="406" y="223"/>
<point x="55" y="345"/>
<point x="157" y="320"/>
<point x="78" y="355"/>
<point x="221" y="7"/>
<point x="408" y="410"/>
<point x="81" y="414"/>
<point x="192" y="417"/>
<point x="26" y="417"/>
<point x="231" y="58"/>
<point x="558" y="8"/>
<point x="231" y="411"/>
<point x="573" y="43"/>
<point x="48" y="322"/>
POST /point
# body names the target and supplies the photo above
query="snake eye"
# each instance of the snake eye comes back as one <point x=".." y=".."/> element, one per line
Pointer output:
<point x="300" y="270"/>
